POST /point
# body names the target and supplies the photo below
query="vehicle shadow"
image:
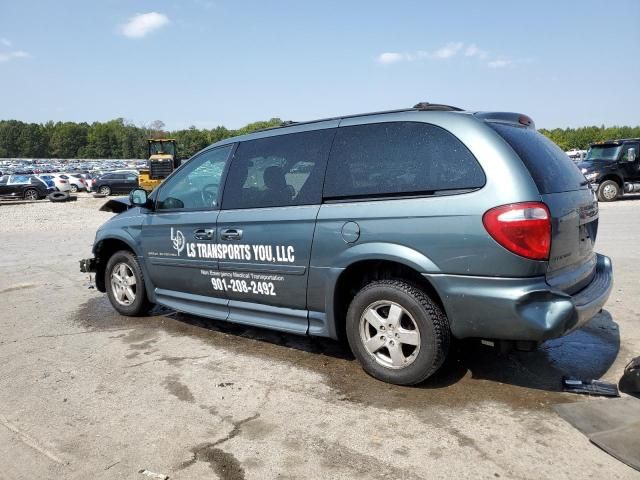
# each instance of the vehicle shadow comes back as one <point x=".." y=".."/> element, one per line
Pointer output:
<point x="586" y="353"/>
<point x="471" y="374"/>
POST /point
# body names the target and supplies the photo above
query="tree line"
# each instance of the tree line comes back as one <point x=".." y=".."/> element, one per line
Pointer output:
<point x="580" y="138"/>
<point x="113" y="139"/>
<point x="121" y="139"/>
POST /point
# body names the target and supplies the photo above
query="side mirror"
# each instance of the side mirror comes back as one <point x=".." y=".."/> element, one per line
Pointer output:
<point x="631" y="155"/>
<point x="138" y="197"/>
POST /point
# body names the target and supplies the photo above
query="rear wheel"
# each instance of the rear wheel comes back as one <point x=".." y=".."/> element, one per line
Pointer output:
<point x="31" y="194"/>
<point x="125" y="284"/>
<point x="608" y="191"/>
<point x="105" y="190"/>
<point x="397" y="333"/>
<point x="74" y="188"/>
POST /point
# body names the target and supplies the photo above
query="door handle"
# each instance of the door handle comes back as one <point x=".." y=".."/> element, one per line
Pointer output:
<point x="231" y="234"/>
<point x="204" y="233"/>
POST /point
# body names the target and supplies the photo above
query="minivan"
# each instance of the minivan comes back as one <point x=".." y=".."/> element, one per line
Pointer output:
<point x="396" y="230"/>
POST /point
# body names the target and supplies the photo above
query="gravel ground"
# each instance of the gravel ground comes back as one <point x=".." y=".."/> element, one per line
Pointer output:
<point x="85" y="393"/>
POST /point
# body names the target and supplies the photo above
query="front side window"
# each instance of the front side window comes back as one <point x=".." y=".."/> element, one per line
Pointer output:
<point x="278" y="171"/>
<point x="625" y="151"/>
<point x="398" y="158"/>
<point x="195" y="186"/>
<point x="4" y="179"/>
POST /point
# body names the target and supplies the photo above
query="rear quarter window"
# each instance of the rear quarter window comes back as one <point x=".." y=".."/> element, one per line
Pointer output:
<point x="398" y="159"/>
<point x="551" y="169"/>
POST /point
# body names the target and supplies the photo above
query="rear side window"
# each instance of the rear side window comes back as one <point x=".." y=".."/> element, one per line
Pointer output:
<point x="551" y="169"/>
<point x="398" y="158"/>
<point x="278" y="171"/>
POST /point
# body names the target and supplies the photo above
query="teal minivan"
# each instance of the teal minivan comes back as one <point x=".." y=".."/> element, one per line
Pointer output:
<point x="395" y="230"/>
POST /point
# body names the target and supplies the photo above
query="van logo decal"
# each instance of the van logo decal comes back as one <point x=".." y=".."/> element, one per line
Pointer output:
<point x="178" y="240"/>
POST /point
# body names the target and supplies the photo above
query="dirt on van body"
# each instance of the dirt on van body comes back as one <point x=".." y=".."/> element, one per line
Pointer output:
<point x="86" y="393"/>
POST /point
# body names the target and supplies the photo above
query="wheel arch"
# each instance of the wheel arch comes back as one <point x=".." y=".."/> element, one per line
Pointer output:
<point x="615" y="177"/>
<point x="103" y="250"/>
<point x="365" y="270"/>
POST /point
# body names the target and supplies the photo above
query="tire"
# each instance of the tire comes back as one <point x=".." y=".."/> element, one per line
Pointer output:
<point x="74" y="188"/>
<point x="608" y="191"/>
<point x="31" y="194"/>
<point x="421" y="319"/>
<point x="125" y="266"/>
<point x="104" y="190"/>
<point x="56" y="197"/>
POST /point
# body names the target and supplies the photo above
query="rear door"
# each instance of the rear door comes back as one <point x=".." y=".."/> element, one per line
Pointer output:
<point x="271" y="200"/>
<point x="130" y="182"/>
<point x="179" y="237"/>
<point x="572" y="204"/>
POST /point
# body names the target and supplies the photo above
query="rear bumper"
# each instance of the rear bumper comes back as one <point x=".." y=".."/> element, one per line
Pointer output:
<point x="520" y="309"/>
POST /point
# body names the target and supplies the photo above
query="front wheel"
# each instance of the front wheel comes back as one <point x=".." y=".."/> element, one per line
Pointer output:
<point x="398" y="334"/>
<point x="125" y="284"/>
<point x="105" y="190"/>
<point x="608" y="191"/>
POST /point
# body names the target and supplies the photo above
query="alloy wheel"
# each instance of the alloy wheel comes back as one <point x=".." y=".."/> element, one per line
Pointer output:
<point x="123" y="284"/>
<point x="390" y="334"/>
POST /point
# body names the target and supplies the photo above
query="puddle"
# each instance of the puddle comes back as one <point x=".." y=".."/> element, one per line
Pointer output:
<point x="472" y="373"/>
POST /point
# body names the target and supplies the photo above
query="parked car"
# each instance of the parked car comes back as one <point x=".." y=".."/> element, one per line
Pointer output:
<point x="76" y="182"/>
<point x="115" y="183"/>
<point x="60" y="182"/>
<point x="411" y="227"/>
<point x="29" y="187"/>
<point x="89" y="180"/>
<point x="613" y="168"/>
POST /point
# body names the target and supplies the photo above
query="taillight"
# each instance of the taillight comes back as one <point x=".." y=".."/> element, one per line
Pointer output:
<point x="521" y="228"/>
<point x="62" y="181"/>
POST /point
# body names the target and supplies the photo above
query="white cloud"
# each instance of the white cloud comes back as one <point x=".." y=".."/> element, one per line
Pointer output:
<point x="473" y="51"/>
<point x="142" y="24"/>
<point x="6" y="56"/>
<point x="5" y="42"/>
<point x="449" y="50"/>
<point x="390" y="57"/>
<point x="499" y="63"/>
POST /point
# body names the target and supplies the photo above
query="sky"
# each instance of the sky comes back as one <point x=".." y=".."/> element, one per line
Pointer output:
<point x="230" y="62"/>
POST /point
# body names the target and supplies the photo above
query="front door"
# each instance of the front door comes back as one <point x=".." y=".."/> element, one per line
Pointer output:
<point x="631" y="169"/>
<point x="4" y="188"/>
<point x="179" y="237"/>
<point x="271" y="200"/>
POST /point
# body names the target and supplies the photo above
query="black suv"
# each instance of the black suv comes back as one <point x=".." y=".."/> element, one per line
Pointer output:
<point x="115" y="183"/>
<point x="613" y="168"/>
<point x="28" y="187"/>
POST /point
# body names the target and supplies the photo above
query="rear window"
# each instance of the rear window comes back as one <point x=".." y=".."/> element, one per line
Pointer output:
<point x="398" y="158"/>
<point x="551" y="169"/>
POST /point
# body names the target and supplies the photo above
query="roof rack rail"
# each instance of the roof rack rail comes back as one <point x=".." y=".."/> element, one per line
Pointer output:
<point x="436" y="106"/>
<point x="422" y="106"/>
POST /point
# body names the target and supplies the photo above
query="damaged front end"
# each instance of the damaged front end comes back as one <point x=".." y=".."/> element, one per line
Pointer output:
<point x="117" y="205"/>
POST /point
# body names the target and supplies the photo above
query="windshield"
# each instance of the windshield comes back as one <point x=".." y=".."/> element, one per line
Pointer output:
<point x="162" y="148"/>
<point x="603" y="152"/>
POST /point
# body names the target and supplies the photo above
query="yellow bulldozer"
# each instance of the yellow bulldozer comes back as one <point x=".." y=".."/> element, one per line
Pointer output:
<point x="163" y="160"/>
